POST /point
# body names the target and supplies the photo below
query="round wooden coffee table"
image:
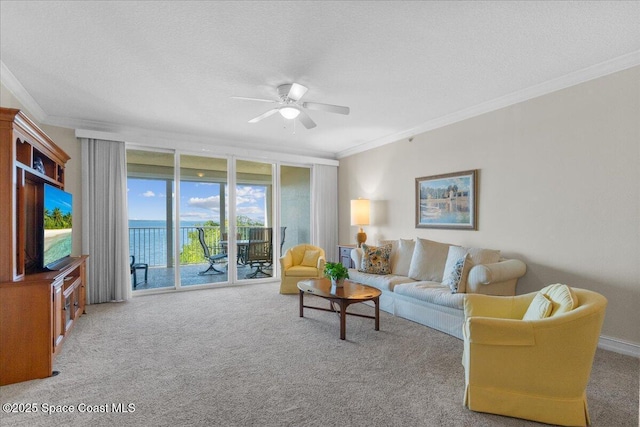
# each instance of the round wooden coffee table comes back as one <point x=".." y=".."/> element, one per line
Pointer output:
<point x="348" y="294"/>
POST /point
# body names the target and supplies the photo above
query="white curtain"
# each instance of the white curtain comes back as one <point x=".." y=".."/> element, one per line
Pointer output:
<point x="325" y="209"/>
<point x="105" y="230"/>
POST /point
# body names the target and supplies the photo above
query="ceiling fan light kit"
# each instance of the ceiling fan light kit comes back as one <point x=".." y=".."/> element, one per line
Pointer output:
<point x="289" y="107"/>
<point x="289" y="112"/>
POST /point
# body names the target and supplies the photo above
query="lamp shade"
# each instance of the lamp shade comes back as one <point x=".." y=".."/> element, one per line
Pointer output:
<point x="360" y="209"/>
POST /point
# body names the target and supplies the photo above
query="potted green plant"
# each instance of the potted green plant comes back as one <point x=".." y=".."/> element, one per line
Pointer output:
<point x="336" y="272"/>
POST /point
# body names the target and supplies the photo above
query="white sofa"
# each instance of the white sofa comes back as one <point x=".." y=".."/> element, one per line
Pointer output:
<point x="426" y="281"/>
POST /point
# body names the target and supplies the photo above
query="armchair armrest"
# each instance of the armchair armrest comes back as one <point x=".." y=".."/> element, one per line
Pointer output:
<point x="499" y="278"/>
<point x="500" y="332"/>
<point x="321" y="263"/>
<point x="286" y="261"/>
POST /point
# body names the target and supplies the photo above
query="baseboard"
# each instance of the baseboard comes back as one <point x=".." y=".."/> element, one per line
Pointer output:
<point x="619" y="346"/>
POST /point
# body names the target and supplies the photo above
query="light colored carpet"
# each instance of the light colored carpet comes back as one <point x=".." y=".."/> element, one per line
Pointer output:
<point x="241" y="356"/>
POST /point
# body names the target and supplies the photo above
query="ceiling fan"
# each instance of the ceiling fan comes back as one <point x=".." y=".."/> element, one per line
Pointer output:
<point x="290" y="107"/>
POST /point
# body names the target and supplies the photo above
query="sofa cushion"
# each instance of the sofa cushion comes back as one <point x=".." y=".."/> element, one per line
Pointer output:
<point x="456" y="277"/>
<point x="539" y="308"/>
<point x="428" y="260"/>
<point x="384" y="282"/>
<point x="376" y="259"/>
<point x="431" y="292"/>
<point x="562" y="298"/>
<point x="310" y="258"/>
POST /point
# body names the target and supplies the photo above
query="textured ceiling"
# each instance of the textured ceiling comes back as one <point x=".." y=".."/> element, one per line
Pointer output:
<point x="170" y="68"/>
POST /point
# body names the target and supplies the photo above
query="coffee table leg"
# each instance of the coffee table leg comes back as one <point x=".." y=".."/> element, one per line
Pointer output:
<point x="301" y="303"/>
<point x="343" y="319"/>
<point x="376" y="301"/>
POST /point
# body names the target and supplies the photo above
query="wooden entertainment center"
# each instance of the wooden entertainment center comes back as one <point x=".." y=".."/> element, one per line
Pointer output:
<point x="38" y="308"/>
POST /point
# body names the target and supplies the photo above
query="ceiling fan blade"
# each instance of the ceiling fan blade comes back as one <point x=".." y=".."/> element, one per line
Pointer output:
<point x="306" y="120"/>
<point x="297" y="91"/>
<point x="326" y="107"/>
<point x="253" y="99"/>
<point x="264" y="115"/>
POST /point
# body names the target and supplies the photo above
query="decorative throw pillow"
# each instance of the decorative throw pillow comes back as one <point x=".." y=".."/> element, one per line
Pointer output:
<point x="539" y="308"/>
<point x="457" y="277"/>
<point x="375" y="259"/>
<point x="455" y="253"/>
<point x="562" y="298"/>
<point x="428" y="260"/>
<point x="310" y="258"/>
<point x="394" y="252"/>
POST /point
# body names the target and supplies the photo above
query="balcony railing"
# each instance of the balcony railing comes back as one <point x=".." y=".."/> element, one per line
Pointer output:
<point x="154" y="245"/>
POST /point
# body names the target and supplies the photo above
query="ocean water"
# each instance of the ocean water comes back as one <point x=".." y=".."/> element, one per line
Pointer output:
<point x="160" y="223"/>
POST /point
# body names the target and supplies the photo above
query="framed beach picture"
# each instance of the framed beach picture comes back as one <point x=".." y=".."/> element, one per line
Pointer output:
<point x="447" y="201"/>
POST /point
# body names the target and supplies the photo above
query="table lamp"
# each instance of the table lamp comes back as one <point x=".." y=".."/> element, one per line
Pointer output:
<point x="360" y="216"/>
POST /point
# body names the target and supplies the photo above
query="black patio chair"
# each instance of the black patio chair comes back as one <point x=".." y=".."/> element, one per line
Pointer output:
<point x="259" y="253"/>
<point x="212" y="258"/>
<point x="133" y="267"/>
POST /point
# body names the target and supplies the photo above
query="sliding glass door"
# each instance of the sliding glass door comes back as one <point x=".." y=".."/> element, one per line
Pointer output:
<point x="150" y="187"/>
<point x="254" y="220"/>
<point x="203" y="210"/>
<point x="228" y="220"/>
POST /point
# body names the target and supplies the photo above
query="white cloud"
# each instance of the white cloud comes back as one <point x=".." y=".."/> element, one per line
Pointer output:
<point x="148" y="193"/>
<point x="249" y="211"/>
<point x="248" y="194"/>
<point x="211" y="203"/>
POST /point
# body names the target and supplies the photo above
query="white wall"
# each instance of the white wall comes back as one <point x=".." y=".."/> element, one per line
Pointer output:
<point x="65" y="138"/>
<point x="559" y="188"/>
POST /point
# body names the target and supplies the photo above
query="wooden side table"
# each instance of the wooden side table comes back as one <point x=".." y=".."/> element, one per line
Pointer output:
<point x="344" y="255"/>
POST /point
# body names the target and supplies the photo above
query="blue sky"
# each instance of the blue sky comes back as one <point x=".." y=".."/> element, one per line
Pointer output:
<point x="56" y="198"/>
<point x="147" y="199"/>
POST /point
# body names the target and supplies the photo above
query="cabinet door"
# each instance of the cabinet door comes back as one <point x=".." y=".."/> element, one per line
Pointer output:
<point x="58" y="316"/>
<point x="77" y="307"/>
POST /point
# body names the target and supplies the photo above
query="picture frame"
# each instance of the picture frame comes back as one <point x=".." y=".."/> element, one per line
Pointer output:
<point x="447" y="201"/>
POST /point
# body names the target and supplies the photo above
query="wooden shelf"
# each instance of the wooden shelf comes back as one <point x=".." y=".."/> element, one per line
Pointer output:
<point x="37" y="309"/>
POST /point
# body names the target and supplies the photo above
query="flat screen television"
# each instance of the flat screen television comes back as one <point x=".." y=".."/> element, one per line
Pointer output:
<point x="58" y="227"/>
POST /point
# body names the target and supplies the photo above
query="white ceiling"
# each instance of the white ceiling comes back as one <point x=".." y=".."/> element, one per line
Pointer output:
<point x="170" y="68"/>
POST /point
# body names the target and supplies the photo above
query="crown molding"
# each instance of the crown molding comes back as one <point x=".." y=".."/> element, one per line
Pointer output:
<point x="15" y="87"/>
<point x="590" y="73"/>
<point x="105" y="130"/>
<point x="595" y="71"/>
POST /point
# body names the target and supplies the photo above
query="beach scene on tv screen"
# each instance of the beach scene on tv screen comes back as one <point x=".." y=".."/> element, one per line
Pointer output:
<point x="57" y="225"/>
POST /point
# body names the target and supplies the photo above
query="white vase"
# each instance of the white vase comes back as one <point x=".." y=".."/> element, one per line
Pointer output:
<point x="338" y="283"/>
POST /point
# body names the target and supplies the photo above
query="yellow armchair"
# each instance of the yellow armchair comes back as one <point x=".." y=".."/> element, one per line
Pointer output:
<point x="298" y="263"/>
<point x="531" y="369"/>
